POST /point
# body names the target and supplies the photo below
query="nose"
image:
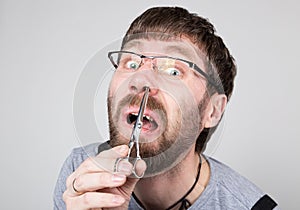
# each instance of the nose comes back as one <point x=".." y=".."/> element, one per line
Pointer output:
<point x="142" y="79"/>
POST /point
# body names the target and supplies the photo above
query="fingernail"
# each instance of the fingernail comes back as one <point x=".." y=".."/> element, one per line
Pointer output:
<point x="125" y="167"/>
<point x="118" y="199"/>
<point x="118" y="177"/>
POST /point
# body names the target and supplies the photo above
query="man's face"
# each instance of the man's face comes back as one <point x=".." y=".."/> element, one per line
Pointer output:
<point x="172" y="118"/>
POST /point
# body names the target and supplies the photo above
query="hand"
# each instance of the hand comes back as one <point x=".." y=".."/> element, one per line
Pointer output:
<point x="93" y="185"/>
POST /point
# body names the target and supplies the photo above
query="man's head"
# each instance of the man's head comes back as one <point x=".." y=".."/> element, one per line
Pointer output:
<point x="183" y="104"/>
<point x="180" y="23"/>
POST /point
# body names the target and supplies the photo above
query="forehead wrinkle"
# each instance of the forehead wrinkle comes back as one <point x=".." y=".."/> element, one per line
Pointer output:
<point x="133" y="44"/>
<point x="182" y="51"/>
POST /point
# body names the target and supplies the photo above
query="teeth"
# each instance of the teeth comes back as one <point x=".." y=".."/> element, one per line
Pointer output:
<point x="146" y="116"/>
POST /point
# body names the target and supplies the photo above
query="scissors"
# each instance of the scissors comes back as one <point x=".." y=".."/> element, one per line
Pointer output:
<point x="135" y="135"/>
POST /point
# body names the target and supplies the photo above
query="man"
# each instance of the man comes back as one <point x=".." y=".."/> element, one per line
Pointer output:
<point x="189" y="73"/>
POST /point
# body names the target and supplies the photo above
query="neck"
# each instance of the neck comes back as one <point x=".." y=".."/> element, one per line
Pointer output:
<point x="165" y="189"/>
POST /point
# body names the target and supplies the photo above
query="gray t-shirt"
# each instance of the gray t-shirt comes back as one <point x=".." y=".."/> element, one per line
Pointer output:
<point x="226" y="189"/>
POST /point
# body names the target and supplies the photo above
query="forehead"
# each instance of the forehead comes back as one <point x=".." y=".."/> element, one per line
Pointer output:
<point x="175" y="48"/>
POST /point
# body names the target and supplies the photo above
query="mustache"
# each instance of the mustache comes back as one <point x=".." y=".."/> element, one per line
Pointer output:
<point x="135" y="100"/>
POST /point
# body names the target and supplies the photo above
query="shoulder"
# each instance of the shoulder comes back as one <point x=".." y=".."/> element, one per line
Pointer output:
<point x="227" y="189"/>
<point x="231" y="180"/>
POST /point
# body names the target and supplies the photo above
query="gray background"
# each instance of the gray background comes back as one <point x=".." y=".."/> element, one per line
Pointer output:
<point x="44" y="45"/>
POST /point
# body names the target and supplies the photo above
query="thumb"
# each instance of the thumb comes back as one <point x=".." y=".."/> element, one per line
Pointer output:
<point x="140" y="168"/>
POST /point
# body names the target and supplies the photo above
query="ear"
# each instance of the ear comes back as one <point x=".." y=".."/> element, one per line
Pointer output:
<point x="215" y="109"/>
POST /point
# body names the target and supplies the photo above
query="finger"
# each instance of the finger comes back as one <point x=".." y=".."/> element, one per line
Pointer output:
<point x="94" y="200"/>
<point x="103" y="162"/>
<point x="123" y="166"/>
<point x="97" y="181"/>
<point x="129" y="185"/>
<point x="118" y="151"/>
<point x="106" y="159"/>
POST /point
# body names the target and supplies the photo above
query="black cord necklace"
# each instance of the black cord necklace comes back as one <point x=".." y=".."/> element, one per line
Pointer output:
<point x="185" y="203"/>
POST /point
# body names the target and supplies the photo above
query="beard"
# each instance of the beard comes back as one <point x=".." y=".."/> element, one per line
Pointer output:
<point x="172" y="145"/>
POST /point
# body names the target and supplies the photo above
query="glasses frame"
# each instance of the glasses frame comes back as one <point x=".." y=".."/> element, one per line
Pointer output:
<point x="191" y="64"/>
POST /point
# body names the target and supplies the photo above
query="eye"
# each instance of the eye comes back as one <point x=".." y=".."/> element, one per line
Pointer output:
<point x="132" y="65"/>
<point x="170" y="67"/>
<point x="173" y="72"/>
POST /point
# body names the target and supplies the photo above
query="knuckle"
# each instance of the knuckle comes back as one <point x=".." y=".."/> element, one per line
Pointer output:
<point x="88" y="164"/>
<point x="79" y="182"/>
<point x="102" y="178"/>
<point x="86" y="199"/>
<point x="69" y="205"/>
<point x="69" y="180"/>
<point x="103" y="153"/>
<point x="65" y="197"/>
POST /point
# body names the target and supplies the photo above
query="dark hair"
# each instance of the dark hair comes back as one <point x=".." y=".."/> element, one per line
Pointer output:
<point x="178" y="22"/>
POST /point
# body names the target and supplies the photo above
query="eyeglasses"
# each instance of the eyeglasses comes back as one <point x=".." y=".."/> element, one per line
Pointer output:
<point x="173" y="68"/>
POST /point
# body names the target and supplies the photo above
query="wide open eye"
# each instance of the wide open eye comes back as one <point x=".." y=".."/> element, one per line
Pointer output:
<point x="171" y="67"/>
<point x="127" y="61"/>
<point x="131" y="64"/>
<point x="172" y="72"/>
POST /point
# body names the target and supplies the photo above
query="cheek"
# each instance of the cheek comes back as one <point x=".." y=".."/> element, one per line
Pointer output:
<point x="173" y="109"/>
<point x="178" y="98"/>
<point x="177" y="103"/>
<point x="117" y="83"/>
<point x="116" y="91"/>
<point x="197" y="88"/>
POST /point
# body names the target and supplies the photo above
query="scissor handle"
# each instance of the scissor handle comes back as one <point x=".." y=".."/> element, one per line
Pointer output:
<point x="133" y="168"/>
<point x="138" y="157"/>
<point x="134" y="139"/>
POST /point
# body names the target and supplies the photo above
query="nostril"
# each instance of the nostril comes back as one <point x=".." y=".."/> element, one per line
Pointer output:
<point x="146" y="87"/>
<point x="152" y="91"/>
<point x="136" y="89"/>
<point x="133" y="88"/>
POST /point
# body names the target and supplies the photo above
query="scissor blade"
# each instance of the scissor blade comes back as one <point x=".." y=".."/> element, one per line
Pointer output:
<point x="143" y="106"/>
<point x="135" y="135"/>
<point x="139" y="121"/>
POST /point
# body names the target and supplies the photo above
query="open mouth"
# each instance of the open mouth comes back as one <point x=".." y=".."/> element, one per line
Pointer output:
<point x="148" y="122"/>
